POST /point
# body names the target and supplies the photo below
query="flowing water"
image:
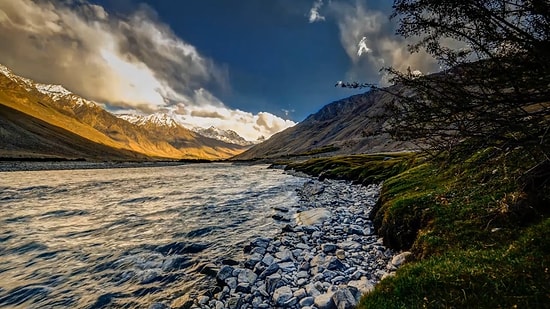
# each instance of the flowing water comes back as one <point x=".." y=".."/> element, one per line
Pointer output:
<point x="129" y="237"/>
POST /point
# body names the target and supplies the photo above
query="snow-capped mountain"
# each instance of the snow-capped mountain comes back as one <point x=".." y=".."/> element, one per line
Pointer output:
<point x="158" y="119"/>
<point x="39" y="120"/>
<point x="228" y="136"/>
<point x="172" y="121"/>
<point x="55" y="92"/>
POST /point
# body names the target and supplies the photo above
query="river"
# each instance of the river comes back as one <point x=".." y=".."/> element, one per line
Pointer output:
<point x="129" y="237"/>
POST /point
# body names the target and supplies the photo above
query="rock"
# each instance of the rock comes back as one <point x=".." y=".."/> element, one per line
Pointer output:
<point x="306" y="301"/>
<point x="290" y="303"/>
<point x="234" y="303"/>
<point x="273" y="282"/>
<point x="281" y="209"/>
<point x="355" y="229"/>
<point x="261" y="242"/>
<point x="280" y="217"/>
<point x="284" y="255"/>
<point x="282" y="295"/>
<point x="253" y="260"/>
<point x="271" y="269"/>
<point x="344" y="299"/>
<point x="313" y="216"/>
<point x="363" y="285"/>
<point x="302" y="274"/>
<point x="327" y="248"/>
<point x="335" y="264"/>
<point x="258" y="250"/>
<point x="224" y="273"/>
<point x="247" y="276"/>
<point x="231" y="282"/>
<point x="324" y="301"/>
<point x="340" y="254"/>
<point x="311" y="290"/>
<point x="299" y="293"/>
<point x="268" y="259"/>
<point x="287" y="267"/>
<point x="202" y="300"/>
<point x="400" y="258"/>
<point x="243" y="287"/>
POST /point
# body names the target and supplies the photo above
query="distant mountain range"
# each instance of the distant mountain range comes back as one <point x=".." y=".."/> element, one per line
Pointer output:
<point x="48" y="121"/>
<point x="348" y="126"/>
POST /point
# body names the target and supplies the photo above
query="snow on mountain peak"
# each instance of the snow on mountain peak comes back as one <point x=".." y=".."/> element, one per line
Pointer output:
<point x="4" y="70"/>
<point x="159" y="119"/>
<point x="56" y="92"/>
<point x="228" y="136"/>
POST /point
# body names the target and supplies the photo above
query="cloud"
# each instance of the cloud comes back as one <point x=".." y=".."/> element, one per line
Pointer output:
<point x="363" y="49"/>
<point x="129" y="62"/>
<point x="358" y="25"/>
<point x="250" y="126"/>
<point x="314" y="15"/>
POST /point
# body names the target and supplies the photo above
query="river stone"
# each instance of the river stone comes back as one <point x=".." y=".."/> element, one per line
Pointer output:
<point x="324" y="301"/>
<point x="340" y="254"/>
<point x="225" y="272"/>
<point x="327" y="248"/>
<point x="333" y="263"/>
<point x="234" y="303"/>
<point x="287" y="267"/>
<point x="284" y="255"/>
<point x="231" y="282"/>
<point x="271" y="269"/>
<point x="400" y="258"/>
<point x="344" y="299"/>
<point x="243" y="287"/>
<point x="363" y="285"/>
<point x="306" y="301"/>
<point x="273" y="282"/>
<point x="268" y="259"/>
<point x="261" y="242"/>
<point x="282" y="295"/>
<point x="247" y="276"/>
<point x="300" y="293"/>
<point x="253" y="260"/>
<point x="311" y="290"/>
<point x="313" y="216"/>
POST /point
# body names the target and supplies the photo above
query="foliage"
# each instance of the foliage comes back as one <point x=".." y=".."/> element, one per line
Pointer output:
<point x="495" y="84"/>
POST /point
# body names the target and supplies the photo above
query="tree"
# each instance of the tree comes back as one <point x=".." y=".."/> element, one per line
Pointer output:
<point x="494" y="86"/>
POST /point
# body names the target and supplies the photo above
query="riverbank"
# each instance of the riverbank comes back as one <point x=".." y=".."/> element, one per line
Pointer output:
<point x="477" y="226"/>
<point x="326" y="256"/>
<point x="18" y="165"/>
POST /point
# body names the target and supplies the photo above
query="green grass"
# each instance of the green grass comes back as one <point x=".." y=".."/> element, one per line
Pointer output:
<point x="365" y="169"/>
<point x="477" y="225"/>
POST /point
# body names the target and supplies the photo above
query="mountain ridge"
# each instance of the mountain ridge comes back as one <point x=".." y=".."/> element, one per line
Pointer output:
<point x="352" y="125"/>
<point x="58" y="107"/>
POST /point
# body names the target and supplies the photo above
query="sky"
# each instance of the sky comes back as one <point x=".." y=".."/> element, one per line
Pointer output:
<point x="253" y="66"/>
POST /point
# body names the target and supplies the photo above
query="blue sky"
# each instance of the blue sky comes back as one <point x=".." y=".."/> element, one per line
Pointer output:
<point x="254" y="66"/>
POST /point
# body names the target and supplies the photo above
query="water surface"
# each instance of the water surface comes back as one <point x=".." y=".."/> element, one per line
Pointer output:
<point x="129" y="237"/>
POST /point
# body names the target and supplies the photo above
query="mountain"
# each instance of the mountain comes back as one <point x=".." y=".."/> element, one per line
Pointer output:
<point x="228" y="136"/>
<point x="38" y="120"/>
<point x="342" y="127"/>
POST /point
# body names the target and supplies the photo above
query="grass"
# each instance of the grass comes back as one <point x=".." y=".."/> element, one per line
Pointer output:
<point x="477" y="224"/>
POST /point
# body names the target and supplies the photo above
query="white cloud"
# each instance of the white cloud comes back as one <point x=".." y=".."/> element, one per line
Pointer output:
<point x="362" y="47"/>
<point x="248" y="125"/>
<point x="358" y="25"/>
<point x="133" y="62"/>
<point x="314" y="15"/>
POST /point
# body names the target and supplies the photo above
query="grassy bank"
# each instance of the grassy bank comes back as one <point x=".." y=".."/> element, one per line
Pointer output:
<point x="478" y="226"/>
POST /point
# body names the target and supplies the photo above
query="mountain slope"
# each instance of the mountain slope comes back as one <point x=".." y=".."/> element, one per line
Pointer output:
<point x="341" y="127"/>
<point x="57" y="107"/>
<point x="23" y="136"/>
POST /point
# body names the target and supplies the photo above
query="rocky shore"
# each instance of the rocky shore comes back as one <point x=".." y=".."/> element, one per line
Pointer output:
<point x="327" y="255"/>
